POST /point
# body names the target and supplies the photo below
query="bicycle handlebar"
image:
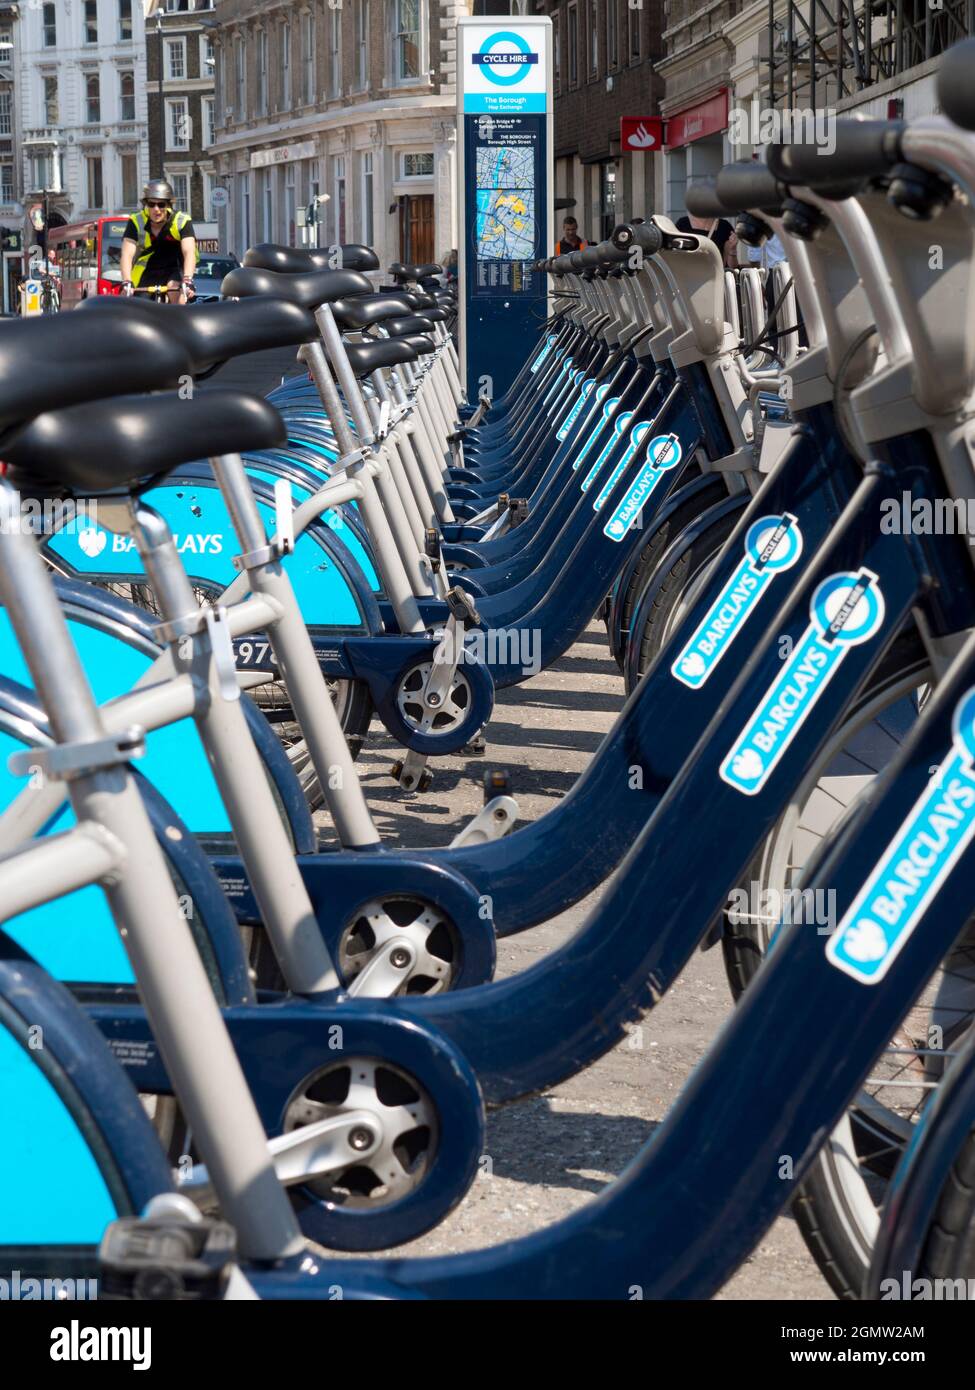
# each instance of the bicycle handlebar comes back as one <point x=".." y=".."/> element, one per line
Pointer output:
<point x="863" y="149"/>
<point x="646" y="235"/>
<point x="749" y="184"/>
<point x="701" y="199"/>
<point x="956" y="84"/>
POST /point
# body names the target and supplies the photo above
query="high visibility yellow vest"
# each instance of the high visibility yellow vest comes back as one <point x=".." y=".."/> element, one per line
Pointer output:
<point x="146" y="245"/>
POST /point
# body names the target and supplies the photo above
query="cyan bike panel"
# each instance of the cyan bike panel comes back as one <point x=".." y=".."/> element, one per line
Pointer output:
<point x="174" y="761"/>
<point x="52" y="1191"/>
<point x="205" y="540"/>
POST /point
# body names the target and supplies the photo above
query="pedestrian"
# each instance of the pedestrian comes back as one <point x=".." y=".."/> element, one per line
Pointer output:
<point x="716" y="229"/>
<point x="571" y="240"/>
<point x="449" y="264"/>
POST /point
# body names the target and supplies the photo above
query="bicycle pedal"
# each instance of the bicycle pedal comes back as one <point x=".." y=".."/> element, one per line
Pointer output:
<point x="166" y="1257"/>
<point x="476" y="747"/>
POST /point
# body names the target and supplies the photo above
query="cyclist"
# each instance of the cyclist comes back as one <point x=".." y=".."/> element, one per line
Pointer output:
<point x="159" y="245"/>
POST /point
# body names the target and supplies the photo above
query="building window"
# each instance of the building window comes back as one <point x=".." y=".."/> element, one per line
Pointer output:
<point x="177" y="124"/>
<point x="93" y="101"/>
<point x="50" y="26"/>
<point x="96" y="196"/>
<point x="91" y="36"/>
<point x="261" y="72"/>
<point x="50" y="100"/>
<point x="338" y="197"/>
<point x="126" y="84"/>
<point x="593" y="38"/>
<point x="634" y="22"/>
<point x="612" y="33"/>
<point x="243" y="220"/>
<point x="181" y="188"/>
<point x="290" y="205"/>
<point x="209" y="184"/>
<point x="406" y="40"/>
<point x="367" y="232"/>
<point x="572" y="18"/>
<point x="417" y="166"/>
<point x="361" y="44"/>
<point x="125" y="21"/>
<point x="557" y="50"/>
<point x="308" y="56"/>
<point x="334" y="52"/>
<point x="607" y="197"/>
<point x="208" y="57"/>
<point x="6" y="110"/>
<point x="6" y="183"/>
<point x="130" y="179"/>
<point x="240" y="71"/>
<point x="209" y="118"/>
<point x="175" y="60"/>
<point x="266" y="196"/>
<point x="285" y="67"/>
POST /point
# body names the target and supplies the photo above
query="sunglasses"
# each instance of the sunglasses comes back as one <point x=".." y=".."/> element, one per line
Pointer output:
<point x="151" y="204"/>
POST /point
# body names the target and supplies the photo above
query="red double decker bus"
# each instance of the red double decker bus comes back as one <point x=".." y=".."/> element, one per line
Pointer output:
<point x="86" y="257"/>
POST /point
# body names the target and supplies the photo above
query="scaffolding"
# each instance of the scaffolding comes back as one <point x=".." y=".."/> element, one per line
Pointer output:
<point x="821" y="51"/>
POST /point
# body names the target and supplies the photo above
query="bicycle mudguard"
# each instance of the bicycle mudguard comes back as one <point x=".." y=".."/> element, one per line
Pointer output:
<point x="78" y="1149"/>
<point x="914" y="1191"/>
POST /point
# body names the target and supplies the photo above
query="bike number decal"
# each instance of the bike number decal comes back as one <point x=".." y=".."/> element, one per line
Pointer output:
<point x="663" y="453"/>
<point x="846" y="610"/>
<point x="905" y="882"/>
<point x="772" y="544"/>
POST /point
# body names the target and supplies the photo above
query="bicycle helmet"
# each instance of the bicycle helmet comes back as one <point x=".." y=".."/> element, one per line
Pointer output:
<point x="159" y="189"/>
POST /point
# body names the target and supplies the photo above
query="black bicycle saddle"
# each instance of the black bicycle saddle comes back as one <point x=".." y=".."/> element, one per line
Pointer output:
<point x="388" y="352"/>
<point x="58" y="361"/>
<point x="296" y="259"/>
<point x="309" y="289"/>
<point x="216" y="332"/>
<point x="123" y="444"/>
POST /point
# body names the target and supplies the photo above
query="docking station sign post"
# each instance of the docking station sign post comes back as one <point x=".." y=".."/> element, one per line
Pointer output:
<point x="505" y="185"/>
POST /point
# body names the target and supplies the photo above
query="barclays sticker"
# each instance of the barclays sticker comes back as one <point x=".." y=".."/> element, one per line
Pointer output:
<point x="597" y="429"/>
<point x="663" y="453"/>
<point x="846" y="610"/>
<point x="576" y="410"/>
<point x="619" y="426"/>
<point x="906" y="880"/>
<point x="772" y="544"/>
<point x="544" y="353"/>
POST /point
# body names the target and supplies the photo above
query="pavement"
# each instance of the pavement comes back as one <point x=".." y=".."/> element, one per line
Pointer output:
<point x="547" y="1156"/>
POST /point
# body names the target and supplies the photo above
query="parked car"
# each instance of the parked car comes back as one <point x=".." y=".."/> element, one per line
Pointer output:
<point x="209" y="275"/>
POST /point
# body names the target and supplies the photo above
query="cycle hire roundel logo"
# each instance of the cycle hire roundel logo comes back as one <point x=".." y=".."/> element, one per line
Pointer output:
<point x="500" y="64"/>
<point x="504" y="69"/>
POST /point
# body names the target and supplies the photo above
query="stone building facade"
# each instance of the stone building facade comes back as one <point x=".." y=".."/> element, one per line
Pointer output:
<point x="335" y="122"/>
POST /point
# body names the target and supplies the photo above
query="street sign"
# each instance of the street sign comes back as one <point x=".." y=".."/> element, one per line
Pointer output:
<point x="505" y="187"/>
<point x="32" y="297"/>
<point x="219" y="197"/>
<point x="641" y="133"/>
